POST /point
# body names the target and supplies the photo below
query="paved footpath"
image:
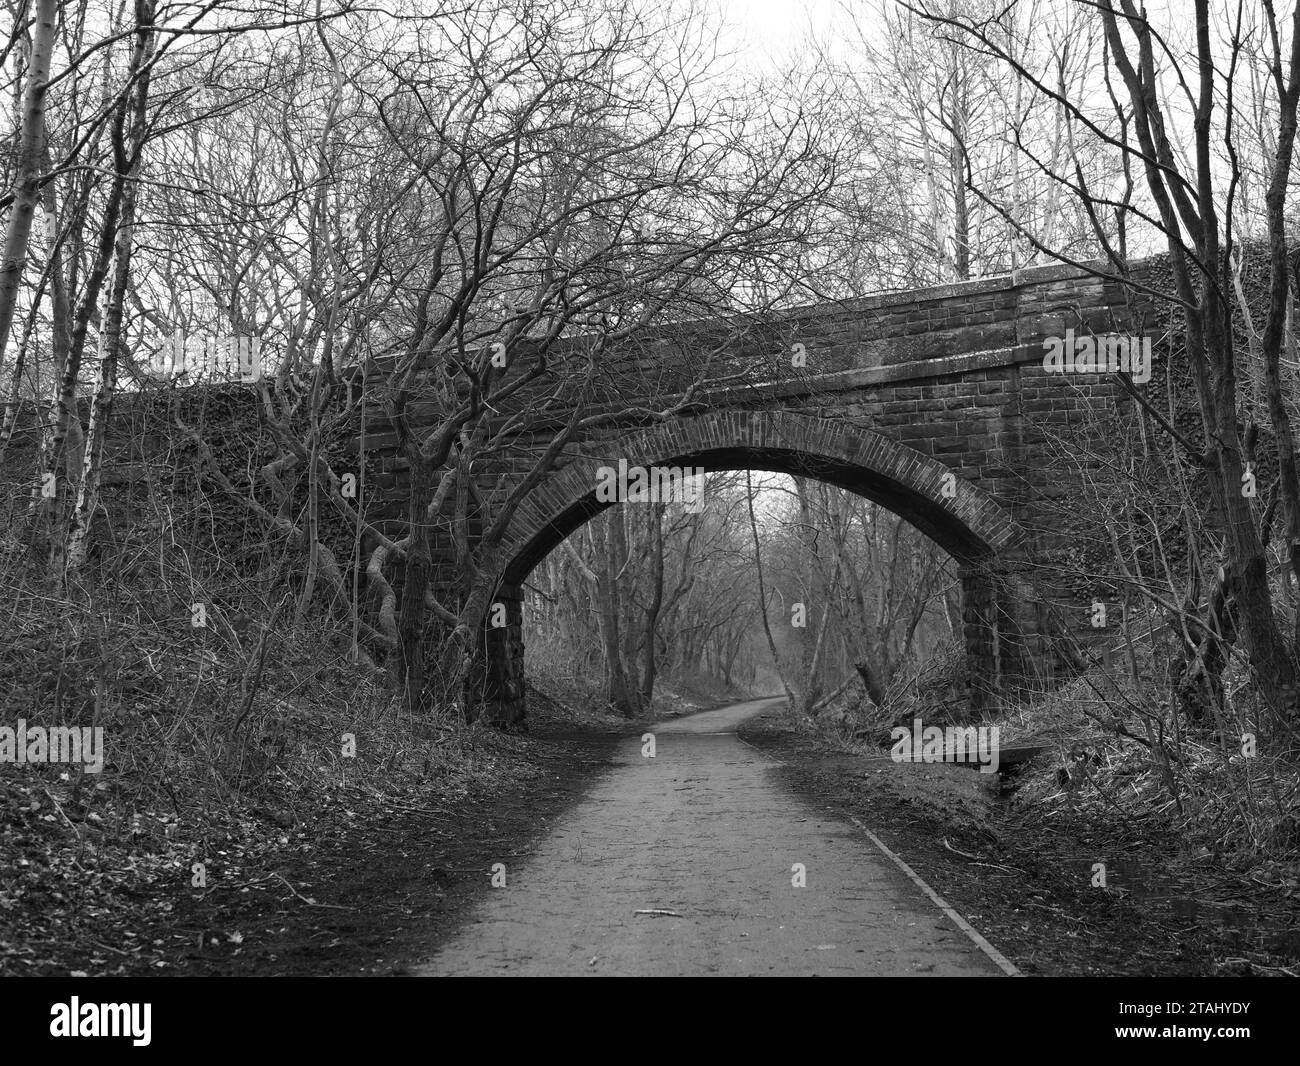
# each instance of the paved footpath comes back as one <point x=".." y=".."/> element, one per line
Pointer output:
<point x="705" y="830"/>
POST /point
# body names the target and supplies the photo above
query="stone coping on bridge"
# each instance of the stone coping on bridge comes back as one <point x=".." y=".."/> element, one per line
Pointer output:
<point x="950" y="290"/>
<point x="892" y="374"/>
<point x="1014" y="279"/>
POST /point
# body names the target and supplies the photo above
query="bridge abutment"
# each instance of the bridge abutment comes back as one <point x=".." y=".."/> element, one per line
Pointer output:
<point x="495" y="689"/>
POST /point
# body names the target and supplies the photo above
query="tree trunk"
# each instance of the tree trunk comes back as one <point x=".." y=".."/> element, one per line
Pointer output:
<point x="649" y="664"/>
<point x="128" y="149"/>
<point x="618" y="689"/>
<point x="31" y="141"/>
<point x="762" y="591"/>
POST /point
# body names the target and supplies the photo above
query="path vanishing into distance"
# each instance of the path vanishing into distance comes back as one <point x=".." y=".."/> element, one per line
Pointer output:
<point x="705" y="832"/>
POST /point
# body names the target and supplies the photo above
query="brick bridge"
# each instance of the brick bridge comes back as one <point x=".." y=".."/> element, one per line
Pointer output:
<point x="933" y="403"/>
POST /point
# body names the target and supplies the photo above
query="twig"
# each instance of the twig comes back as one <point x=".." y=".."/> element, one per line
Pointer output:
<point x="973" y="858"/>
<point x="979" y="862"/>
<point x="1053" y="910"/>
<point x="416" y="810"/>
<point x="75" y="830"/>
<point x="312" y="902"/>
<point x="106" y="947"/>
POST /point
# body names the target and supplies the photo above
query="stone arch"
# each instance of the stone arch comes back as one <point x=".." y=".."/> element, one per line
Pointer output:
<point x="970" y="525"/>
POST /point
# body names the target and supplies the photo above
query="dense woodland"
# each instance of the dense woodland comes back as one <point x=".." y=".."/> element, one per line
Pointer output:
<point x="403" y="217"/>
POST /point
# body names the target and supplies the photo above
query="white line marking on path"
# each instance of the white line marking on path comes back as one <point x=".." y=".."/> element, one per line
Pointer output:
<point x="993" y="953"/>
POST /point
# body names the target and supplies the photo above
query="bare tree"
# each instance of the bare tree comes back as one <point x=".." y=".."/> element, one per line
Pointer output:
<point x="1190" y="203"/>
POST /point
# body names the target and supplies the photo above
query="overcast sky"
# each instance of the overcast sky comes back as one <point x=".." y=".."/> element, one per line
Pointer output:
<point x="762" y="32"/>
